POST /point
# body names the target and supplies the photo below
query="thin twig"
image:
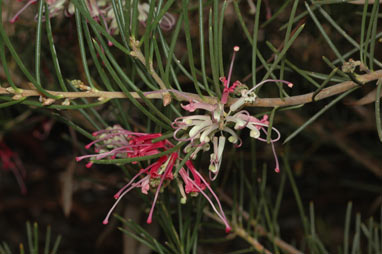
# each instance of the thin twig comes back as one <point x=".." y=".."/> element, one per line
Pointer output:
<point x="307" y="98"/>
<point x="182" y="96"/>
<point x="260" y="229"/>
<point x="137" y="53"/>
<point x="239" y="231"/>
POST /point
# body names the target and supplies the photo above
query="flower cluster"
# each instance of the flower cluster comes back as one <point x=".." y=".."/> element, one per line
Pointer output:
<point x="100" y="11"/>
<point x="200" y="130"/>
<point x="10" y="161"/>
<point x="116" y="142"/>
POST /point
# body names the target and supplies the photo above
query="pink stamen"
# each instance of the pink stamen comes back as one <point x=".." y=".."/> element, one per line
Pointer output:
<point x="11" y="161"/>
<point x="220" y="215"/>
<point x="167" y="22"/>
<point x="277" y="168"/>
<point x="226" y="82"/>
<point x="106" y="220"/>
<point x="158" y="163"/>
<point x="30" y="2"/>
<point x="265" y="131"/>
<point x="103" y="155"/>
<point x="235" y="49"/>
<point x="289" y="84"/>
<point x="107" y="29"/>
<point x="118" y="194"/>
<point x="212" y="192"/>
<point x="147" y="137"/>
<point x="268" y="10"/>
<point x="170" y="166"/>
<point x="193" y="172"/>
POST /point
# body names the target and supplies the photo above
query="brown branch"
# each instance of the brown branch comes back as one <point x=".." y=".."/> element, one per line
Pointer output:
<point x="104" y="95"/>
<point x="244" y="234"/>
<point x="182" y="96"/>
<point x="307" y="98"/>
<point x="239" y="231"/>
<point x="260" y="229"/>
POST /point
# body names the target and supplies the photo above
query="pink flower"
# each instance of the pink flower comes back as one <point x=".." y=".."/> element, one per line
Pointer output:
<point x="191" y="185"/>
<point x="194" y="105"/>
<point x="198" y="185"/>
<point x="10" y="161"/>
<point x="156" y="174"/>
<point x="227" y="89"/>
<point x="116" y="142"/>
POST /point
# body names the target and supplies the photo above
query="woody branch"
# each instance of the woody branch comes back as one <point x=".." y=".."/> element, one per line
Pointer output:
<point x="182" y="96"/>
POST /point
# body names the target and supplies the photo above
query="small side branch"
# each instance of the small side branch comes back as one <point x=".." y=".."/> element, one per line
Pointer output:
<point x="137" y="53"/>
<point x="307" y="98"/>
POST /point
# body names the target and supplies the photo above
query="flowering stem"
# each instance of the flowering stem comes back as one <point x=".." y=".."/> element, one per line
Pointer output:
<point x="182" y="96"/>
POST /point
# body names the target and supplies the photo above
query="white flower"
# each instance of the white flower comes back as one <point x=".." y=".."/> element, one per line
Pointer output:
<point x="202" y="129"/>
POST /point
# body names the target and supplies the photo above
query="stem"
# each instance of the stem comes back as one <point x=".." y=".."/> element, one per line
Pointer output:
<point x="137" y="53"/>
<point x="183" y="96"/>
